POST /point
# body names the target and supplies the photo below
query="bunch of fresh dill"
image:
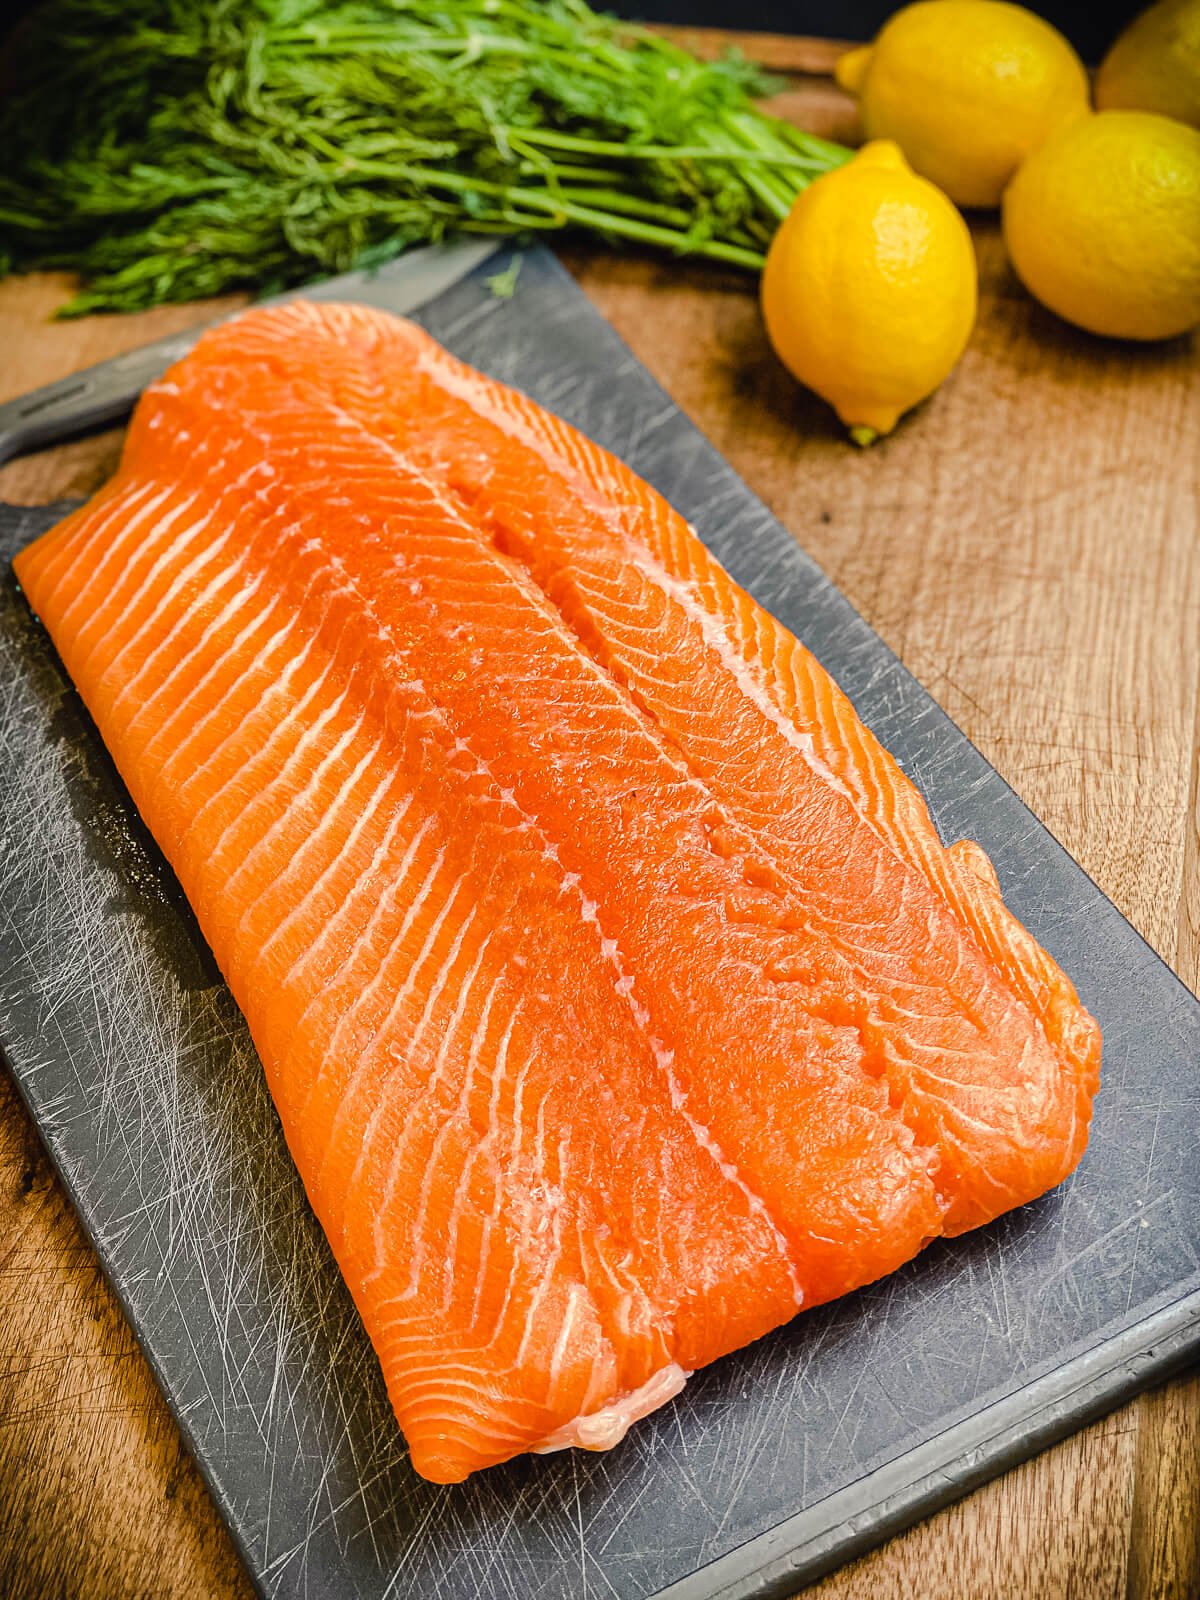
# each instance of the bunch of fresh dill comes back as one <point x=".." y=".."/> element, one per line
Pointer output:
<point x="169" y="149"/>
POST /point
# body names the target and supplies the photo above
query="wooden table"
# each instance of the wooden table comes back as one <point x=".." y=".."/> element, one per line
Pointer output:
<point x="1028" y="543"/>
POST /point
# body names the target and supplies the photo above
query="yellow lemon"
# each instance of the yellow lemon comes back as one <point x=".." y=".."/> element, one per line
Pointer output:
<point x="1103" y="224"/>
<point x="869" y="289"/>
<point x="1155" y="64"/>
<point x="966" y="88"/>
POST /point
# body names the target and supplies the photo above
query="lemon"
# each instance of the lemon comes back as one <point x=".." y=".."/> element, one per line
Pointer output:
<point x="1103" y="224"/>
<point x="869" y="289"/>
<point x="966" y="88"/>
<point x="1155" y="64"/>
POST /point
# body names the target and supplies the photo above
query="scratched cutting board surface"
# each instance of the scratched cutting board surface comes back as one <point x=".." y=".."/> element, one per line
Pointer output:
<point x="774" y="1464"/>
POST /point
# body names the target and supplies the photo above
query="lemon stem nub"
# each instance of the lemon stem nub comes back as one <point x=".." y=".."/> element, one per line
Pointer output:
<point x="850" y="69"/>
<point x="864" y="436"/>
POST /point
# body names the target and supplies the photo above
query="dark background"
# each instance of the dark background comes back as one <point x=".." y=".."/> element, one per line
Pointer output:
<point x="1090" y="28"/>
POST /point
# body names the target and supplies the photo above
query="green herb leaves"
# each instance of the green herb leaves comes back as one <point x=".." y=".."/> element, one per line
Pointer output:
<point x="171" y="149"/>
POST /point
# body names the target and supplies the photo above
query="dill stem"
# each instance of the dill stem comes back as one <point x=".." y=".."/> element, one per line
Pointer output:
<point x="644" y="233"/>
<point x="554" y="140"/>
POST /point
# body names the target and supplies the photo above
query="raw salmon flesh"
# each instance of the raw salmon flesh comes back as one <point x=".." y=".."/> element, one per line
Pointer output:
<point x="616" y="993"/>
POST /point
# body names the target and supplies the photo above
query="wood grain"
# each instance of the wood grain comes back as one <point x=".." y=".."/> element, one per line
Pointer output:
<point x="1028" y="542"/>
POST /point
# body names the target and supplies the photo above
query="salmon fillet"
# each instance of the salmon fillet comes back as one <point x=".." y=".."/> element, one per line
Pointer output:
<point x="616" y="993"/>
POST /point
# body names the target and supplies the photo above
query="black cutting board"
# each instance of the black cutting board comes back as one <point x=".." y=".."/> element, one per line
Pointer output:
<point x="775" y="1464"/>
